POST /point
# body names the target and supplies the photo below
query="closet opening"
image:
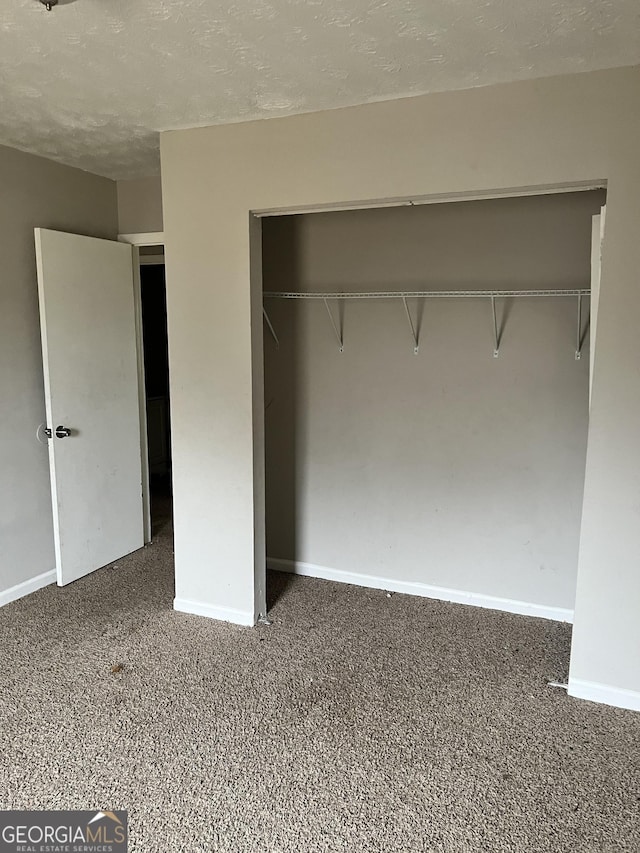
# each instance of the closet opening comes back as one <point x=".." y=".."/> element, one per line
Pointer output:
<point x="426" y="373"/>
<point x="153" y="299"/>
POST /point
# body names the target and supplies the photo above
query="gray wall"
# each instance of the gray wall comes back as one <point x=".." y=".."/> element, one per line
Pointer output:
<point x="449" y="468"/>
<point x="33" y="192"/>
<point x="559" y="131"/>
<point x="139" y="205"/>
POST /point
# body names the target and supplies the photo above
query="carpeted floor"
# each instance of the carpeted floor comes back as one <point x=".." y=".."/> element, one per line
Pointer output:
<point x="356" y="722"/>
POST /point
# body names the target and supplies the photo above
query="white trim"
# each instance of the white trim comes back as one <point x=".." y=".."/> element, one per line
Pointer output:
<point x="151" y="260"/>
<point x="142" y="398"/>
<point x="145" y="238"/>
<point x="476" y="599"/>
<point x="148" y="238"/>
<point x="27" y="587"/>
<point x="440" y="198"/>
<point x="223" y="614"/>
<point x="619" y="697"/>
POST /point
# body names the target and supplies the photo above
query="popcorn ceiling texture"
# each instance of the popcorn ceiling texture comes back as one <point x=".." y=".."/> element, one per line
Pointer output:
<point x="92" y="82"/>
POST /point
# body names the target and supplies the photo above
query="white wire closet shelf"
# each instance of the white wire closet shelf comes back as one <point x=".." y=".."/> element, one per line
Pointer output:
<point x="492" y="295"/>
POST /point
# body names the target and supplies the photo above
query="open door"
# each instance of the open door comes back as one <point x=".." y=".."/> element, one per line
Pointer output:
<point x="87" y="320"/>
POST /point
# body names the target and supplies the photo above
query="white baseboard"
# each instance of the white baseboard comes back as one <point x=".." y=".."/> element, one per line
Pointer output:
<point x="26" y="587"/>
<point x="604" y="693"/>
<point x="222" y="614"/>
<point x="424" y="590"/>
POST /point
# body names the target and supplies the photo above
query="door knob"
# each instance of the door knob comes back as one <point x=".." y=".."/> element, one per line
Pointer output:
<point x="62" y="432"/>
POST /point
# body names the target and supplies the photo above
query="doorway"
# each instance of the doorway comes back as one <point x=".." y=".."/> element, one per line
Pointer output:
<point x="426" y="397"/>
<point x="153" y="304"/>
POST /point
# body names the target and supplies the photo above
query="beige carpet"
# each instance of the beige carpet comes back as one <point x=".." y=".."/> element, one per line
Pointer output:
<point x="356" y="722"/>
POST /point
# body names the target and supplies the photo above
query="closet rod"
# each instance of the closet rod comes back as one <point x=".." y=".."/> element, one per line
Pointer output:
<point x="429" y="294"/>
<point x="578" y="292"/>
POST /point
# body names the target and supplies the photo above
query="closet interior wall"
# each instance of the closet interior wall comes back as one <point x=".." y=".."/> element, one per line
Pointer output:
<point x="449" y="468"/>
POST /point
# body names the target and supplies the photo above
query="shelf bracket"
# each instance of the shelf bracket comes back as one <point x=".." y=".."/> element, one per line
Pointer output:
<point x="496" y="338"/>
<point x="271" y="329"/>
<point x="414" y="334"/>
<point x="338" y="333"/>
<point x="579" y="330"/>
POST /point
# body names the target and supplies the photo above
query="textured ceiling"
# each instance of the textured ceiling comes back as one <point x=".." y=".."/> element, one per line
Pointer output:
<point x="91" y="82"/>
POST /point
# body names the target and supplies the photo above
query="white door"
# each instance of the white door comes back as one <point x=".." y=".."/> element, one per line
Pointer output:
<point x="87" y="320"/>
